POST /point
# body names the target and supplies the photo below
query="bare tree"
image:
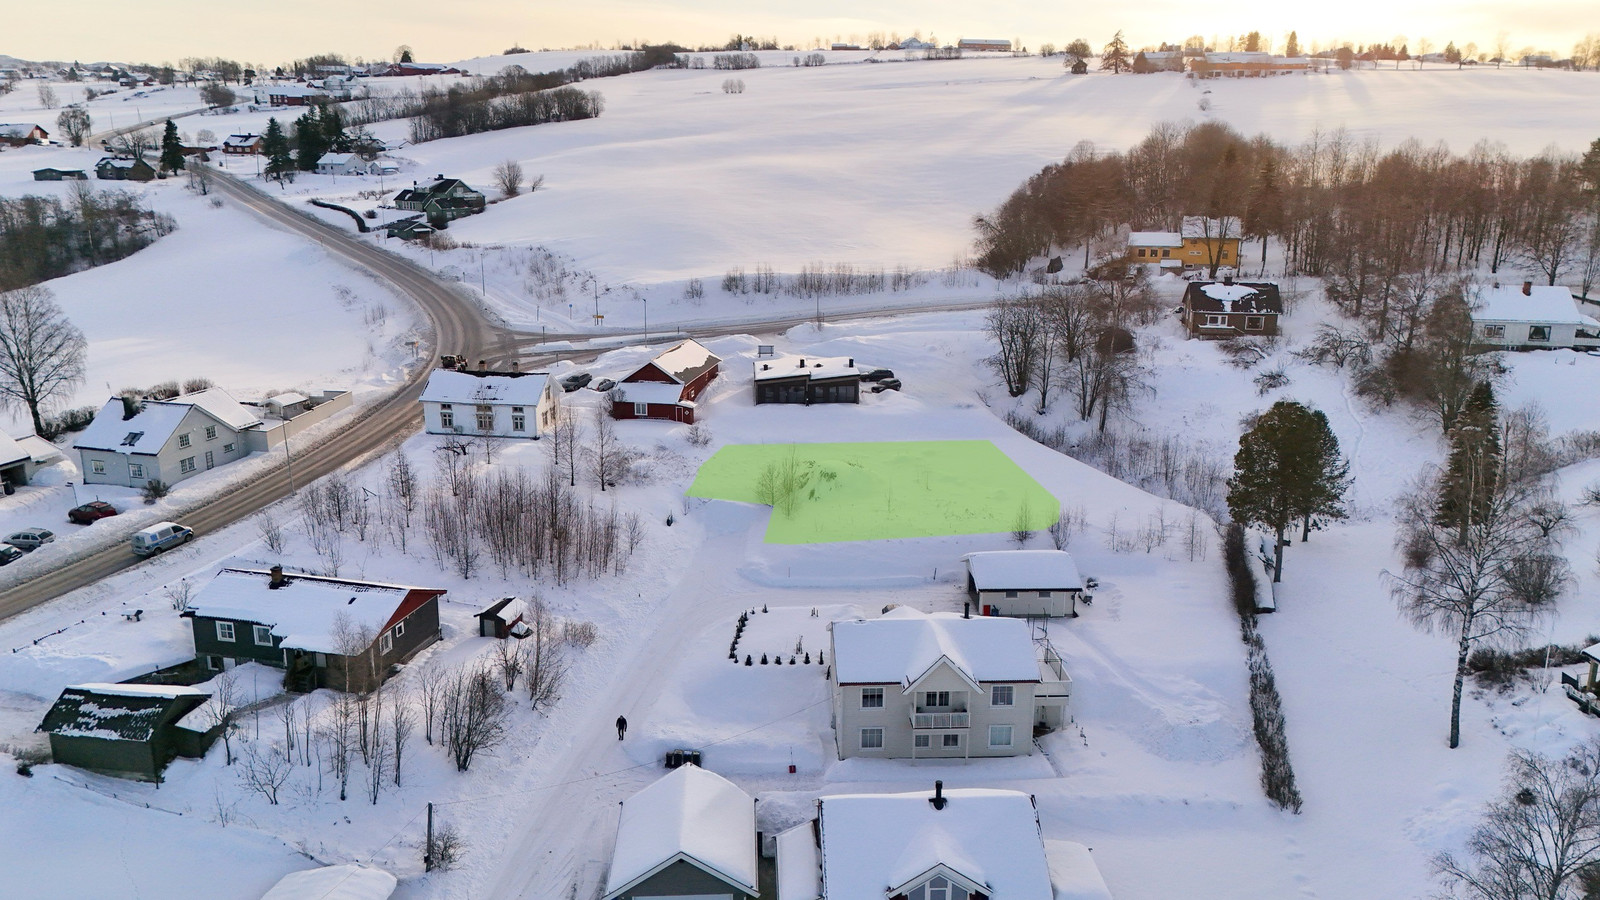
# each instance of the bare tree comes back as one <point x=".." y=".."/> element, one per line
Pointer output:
<point x="1469" y="578"/>
<point x="220" y="710"/>
<point x="47" y="97"/>
<point x="1022" y="524"/>
<point x="265" y="772"/>
<point x="1067" y="526"/>
<point x="179" y="594"/>
<point x="546" y="655"/>
<point x="402" y="722"/>
<point x="271" y="531"/>
<point x="474" y="715"/>
<point x="42" y="354"/>
<point x="1015" y="327"/>
<point x="611" y="457"/>
<point x="508" y="177"/>
<point x="508" y="659"/>
<point x="75" y="125"/>
<point x="431" y="681"/>
<point x="1540" y="838"/>
<point x="567" y="435"/>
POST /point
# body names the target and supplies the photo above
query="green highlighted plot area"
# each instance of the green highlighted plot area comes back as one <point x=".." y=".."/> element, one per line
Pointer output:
<point x="870" y="491"/>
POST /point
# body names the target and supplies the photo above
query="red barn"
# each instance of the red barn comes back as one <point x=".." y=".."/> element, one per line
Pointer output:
<point x="666" y="387"/>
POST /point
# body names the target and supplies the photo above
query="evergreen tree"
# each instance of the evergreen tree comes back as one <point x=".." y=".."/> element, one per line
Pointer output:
<point x="1291" y="47"/>
<point x="171" y="149"/>
<point x="309" y="141"/>
<point x="333" y="135"/>
<point x="1474" y="465"/>
<point x="1288" y="466"/>
<point x="275" y="147"/>
<point x="1264" y="215"/>
<point x="1115" y="56"/>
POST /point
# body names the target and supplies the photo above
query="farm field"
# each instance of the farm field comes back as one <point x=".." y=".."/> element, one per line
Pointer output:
<point x="875" y="491"/>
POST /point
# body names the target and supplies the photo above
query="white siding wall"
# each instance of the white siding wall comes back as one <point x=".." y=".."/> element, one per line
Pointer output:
<point x="895" y="720"/>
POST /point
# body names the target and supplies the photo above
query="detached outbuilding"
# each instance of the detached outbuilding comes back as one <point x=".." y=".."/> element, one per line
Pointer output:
<point x="692" y="835"/>
<point x="1024" y="582"/>
<point x="126" y="730"/>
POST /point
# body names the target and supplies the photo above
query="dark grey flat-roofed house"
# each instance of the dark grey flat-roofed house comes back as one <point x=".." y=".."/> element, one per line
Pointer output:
<point x="127" y="730"/>
<point x="807" y="380"/>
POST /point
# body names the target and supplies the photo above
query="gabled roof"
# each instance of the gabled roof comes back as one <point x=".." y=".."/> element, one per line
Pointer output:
<point x="904" y="644"/>
<point x="871" y="842"/>
<point x="19" y="129"/>
<point x="1032" y="570"/>
<point x="1256" y="298"/>
<point x="652" y="392"/>
<point x="241" y="140"/>
<point x="346" y="882"/>
<point x="115" y="712"/>
<point x="1543" y="304"/>
<point x="336" y="159"/>
<point x="12" y="452"/>
<point x="1201" y="227"/>
<point x="149" y="429"/>
<point x="309" y="612"/>
<point x="686" y="361"/>
<point x="689" y="815"/>
<point x="501" y="388"/>
<point x="1155" y="239"/>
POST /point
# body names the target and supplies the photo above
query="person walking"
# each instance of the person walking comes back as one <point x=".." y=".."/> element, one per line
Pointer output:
<point x="622" y="727"/>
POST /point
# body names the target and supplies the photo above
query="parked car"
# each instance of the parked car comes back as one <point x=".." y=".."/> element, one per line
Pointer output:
<point x="877" y="375"/>
<point x="888" y="384"/>
<point x="603" y="385"/>
<point x="9" y="554"/>
<point x="160" y="537"/>
<point x="30" y="538"/>
<point x="91" y="512"/>
<point x="575" y="380"/>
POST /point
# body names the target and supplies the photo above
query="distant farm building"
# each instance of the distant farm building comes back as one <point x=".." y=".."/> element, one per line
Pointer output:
<point x="48" y="174"/>
<point x="114" y="168"/>
<point x="22" y="134"/>
<point x="242" y="145"/>
<point x="983" y="44"/>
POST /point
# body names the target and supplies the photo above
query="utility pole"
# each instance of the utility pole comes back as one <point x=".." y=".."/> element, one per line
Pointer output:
<point x="288" y="461"/>
<point x="427" y="855"/>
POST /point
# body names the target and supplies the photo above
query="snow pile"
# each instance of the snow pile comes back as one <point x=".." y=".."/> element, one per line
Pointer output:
<point x="349" y="882"/>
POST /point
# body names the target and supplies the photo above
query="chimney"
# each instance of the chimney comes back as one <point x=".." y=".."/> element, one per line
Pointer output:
<point x="938" y="799"/>
<point x="1227" y="279"/>
<point x="1527" y="289"/>
<point x="276" y="580"/>
<point x="802" y="362"/>
<point x="966" y="610"/>
<point x="130" y="407"/>
<point x="513" y="366"/>
<point x="851" y="364"/>
<point x="483" y="365"/>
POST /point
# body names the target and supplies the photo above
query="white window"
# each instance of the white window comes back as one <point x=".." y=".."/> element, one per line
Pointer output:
<point x="999" y="735"/>
<point x="921" y="741"/>
<point x="519" y="422"/>
<point x="98" y="467"/>
<point x="936" y="698"/>
<point x="263" y="635"/>
<point x="227" y="448"/>
<point x="183" y="440"/>
<point x="386" y="643"/>
<point x="872" y="698"/>
<point x="1216" y="321"/>
<point x="641" y="410"/>
<point x="938" y="888"/>
<point x="225" y="631"/>
<point x="135" y="470"/>
<point x="211" y="432"/>
<point x="872" y="738"/>
<point x="485" y="418"/>
<point x="1002" y="695"/>
<point x="952" y="740"/>
<point x="447" y="417"/>
<point x="399" y="629"/>
<point x="186" y="464"/>
<point x="1494" y="332"/>
<point x="1540" y="333"/>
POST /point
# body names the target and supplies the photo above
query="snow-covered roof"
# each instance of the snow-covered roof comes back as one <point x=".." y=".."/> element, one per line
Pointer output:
<point x="288" y="399"/>
<point x="449" y="386"/>
<point x="306" y="613"/>
<point x="799" y="864"/>
<point x="11" y="452"/>
<point x="875" y="844"/>
<point x="147" y="430"/>
<point x="336" y="159"/>
<point x="687" y="361"/>
<point x="1242" y="56"/>
<point x="1201" y="227"/>
<point x="691" y="815"/>
<point x="1013" y="570"/>
<point x="346" y="882"/>
<point x="44" y="452"/>
<point x="18" y="129"/>
<point x="902" y="645"/>
<point x="1256" y="298"/>
<point x="241" y="140"/>
<point x="1155" y="239"/>
<point x="1074" y="873"/>
<point x="290" y="90"/>
<point x="811" y="366"/>
<point x="651" y="392"/>
<point x="118" y="162"/>
<point x="1543" y="304"/>
<point x="114" y="712"/>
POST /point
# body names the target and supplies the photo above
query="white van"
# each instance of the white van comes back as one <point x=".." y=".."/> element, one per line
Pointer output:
<point x="160" y="536"/>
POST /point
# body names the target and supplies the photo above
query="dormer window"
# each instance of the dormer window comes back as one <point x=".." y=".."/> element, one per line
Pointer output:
<point x="938" y="888"/>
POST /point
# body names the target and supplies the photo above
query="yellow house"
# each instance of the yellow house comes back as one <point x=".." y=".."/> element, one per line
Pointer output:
<point x="1201" y="243"/>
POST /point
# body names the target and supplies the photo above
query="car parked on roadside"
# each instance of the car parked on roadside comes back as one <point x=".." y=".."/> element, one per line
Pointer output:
<point x="888" y="384"/>
<point x="603" y="385"/>
<point x="30" y="538"/>
<point x="9" y="554"/>
<point x="575" y="380"/>
<point x="160" y="537"/>
<point x="91" y="512"/>
<point x="877" y="374"/>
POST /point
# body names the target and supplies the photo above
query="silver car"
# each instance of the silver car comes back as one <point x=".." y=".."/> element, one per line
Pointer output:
<point x="30" y="538"/>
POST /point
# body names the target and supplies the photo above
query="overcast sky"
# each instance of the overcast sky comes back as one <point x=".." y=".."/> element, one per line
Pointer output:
<point x="447" y="30"/>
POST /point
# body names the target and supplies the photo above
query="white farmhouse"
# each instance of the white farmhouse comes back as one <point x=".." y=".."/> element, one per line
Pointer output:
<point x="1024" y="582"/>
<point x="492" y="404"/>
<point x="131" y="441"/>
<point x="916" y="685"/>
<point x="691" y="835"/>
<point x="1531" y="317"/>
<point x="354" y="164"/>
<point x="962" y="844"/>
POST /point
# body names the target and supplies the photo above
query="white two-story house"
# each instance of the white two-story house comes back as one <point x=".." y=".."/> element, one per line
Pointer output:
<point x="490" y="404"/>
<point x="916" y="685"/>
<point x="131" y="442"/>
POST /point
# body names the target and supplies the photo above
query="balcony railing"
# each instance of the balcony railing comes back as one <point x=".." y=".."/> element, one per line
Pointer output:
<point x="941" y="720"/>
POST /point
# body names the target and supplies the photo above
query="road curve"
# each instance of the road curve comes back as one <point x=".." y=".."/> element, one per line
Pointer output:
<point x="456" y="323"/>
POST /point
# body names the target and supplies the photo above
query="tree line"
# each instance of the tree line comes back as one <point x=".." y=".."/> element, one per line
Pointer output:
<point x="1364" y="218"/>
<point x="47" y="237"/>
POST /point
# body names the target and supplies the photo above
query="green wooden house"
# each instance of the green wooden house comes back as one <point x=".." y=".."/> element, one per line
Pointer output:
<point x="442" y="201"/>
<point x="127" y="730"/>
